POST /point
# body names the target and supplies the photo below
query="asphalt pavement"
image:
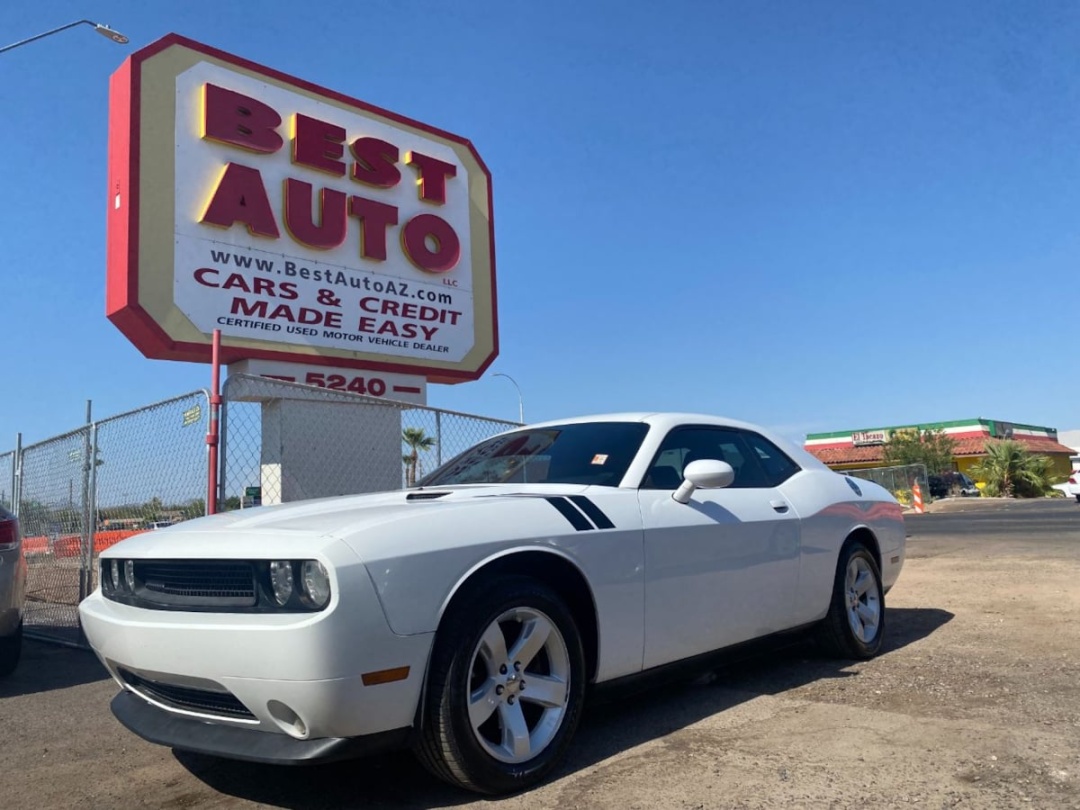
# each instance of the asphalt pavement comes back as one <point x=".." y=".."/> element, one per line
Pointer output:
<point x="1050" y="525"/>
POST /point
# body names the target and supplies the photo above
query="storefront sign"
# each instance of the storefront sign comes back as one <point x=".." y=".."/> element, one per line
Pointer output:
<point x="867" y="437"/>
<point x="306" y="225"/>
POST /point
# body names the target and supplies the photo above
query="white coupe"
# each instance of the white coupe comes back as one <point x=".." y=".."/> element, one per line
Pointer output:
<point x="467" y="618"/>
<point x="1071" y="488"/>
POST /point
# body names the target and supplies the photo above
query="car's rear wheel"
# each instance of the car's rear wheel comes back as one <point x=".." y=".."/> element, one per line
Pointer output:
<point x="10" y="652"/>
<point x="1078" y="498"/>
<point x="505" y="688"/>
<point x="855" y="624"/>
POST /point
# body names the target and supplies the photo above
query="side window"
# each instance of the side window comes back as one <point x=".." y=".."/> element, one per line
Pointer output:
<point x="778" y="467"/>
<point x="686" y="444"/>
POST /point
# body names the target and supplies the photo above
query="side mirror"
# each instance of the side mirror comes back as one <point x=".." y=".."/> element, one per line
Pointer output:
<point x="704" y="474"/>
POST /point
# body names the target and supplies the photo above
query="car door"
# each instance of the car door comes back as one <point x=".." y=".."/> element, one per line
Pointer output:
<point x="724" y="567"/>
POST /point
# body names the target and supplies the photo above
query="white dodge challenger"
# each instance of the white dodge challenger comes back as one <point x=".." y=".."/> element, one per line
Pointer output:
<point x="468" y="617"/>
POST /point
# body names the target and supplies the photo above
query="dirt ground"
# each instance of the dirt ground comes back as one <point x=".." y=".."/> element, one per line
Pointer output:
<point x="975" y="704"/>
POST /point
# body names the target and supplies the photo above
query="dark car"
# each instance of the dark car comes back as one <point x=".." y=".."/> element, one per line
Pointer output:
<point x="952" y="483"/>
<point x="12" y="590"/>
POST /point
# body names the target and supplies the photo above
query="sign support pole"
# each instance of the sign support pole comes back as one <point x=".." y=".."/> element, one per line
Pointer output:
<point x="212" y="431"/>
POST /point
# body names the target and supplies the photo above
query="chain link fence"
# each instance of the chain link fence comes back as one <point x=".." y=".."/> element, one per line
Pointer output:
<point x="900" y="481"/>
<point x="150" y="469"/>
<point x="54" y="515"/>
<point x="285" y="442"/>
<point x="81" y="492"/>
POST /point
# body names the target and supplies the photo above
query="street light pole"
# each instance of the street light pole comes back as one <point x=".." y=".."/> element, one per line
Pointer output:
<point x="521" y="402"/>
<point x="104" y="30"/>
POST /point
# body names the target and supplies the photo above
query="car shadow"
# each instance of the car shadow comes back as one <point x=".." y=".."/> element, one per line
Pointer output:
<point x="609" y="727"/>
<point x="44" y="667"/>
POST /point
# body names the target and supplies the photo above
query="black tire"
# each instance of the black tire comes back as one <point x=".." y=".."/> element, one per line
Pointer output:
<point x="1078" y="498"/>
<point x="836" y="634"/>
<point x="10" y="652"/>
<point x="448" y="745"/>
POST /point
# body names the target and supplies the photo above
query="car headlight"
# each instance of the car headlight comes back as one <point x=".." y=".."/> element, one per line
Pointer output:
<point x="114" y="570"/>
<point x="281" y="580"/>
<point x="129" y="575"/>
<point x="314" y="584"/>
<point x="105" y="577"/>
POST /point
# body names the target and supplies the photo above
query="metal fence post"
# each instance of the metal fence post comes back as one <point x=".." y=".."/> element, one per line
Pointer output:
<point x="223" y="443"/>
<point x="87" y="538"/>
<point x="86" y="577"/>
<point x="438" y="439"/>
<point x="16" y="476"/>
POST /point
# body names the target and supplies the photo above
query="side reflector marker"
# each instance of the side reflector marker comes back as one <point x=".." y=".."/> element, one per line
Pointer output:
<point x="385" y="676"/>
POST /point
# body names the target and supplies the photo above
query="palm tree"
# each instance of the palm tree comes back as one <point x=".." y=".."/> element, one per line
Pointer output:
<point x="416" y="440"/>
<point x="1011" y="470"/>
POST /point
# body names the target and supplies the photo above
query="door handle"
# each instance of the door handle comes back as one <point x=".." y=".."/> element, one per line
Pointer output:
<point x="779" y="506"/>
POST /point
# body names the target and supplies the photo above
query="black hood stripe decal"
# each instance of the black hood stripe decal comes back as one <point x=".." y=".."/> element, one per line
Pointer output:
<point x="577" y="520"/>
<point x="583" y="514"/>
<point x="595" y="514"/>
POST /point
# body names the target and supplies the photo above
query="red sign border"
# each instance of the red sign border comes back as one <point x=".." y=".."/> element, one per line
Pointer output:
<point x="122" y="247"/>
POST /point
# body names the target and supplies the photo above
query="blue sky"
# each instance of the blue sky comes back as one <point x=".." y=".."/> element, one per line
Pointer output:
<point x="814" y="215"/>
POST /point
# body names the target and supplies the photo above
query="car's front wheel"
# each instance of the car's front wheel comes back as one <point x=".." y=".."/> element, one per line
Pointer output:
<point x="10" y="651"/>
<point x="855" y="624"/>
<point x="505" y="687"/>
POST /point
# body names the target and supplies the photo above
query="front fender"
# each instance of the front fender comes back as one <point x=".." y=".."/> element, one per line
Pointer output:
<point x="501" y="555"/>
<point x="418" y="564"/>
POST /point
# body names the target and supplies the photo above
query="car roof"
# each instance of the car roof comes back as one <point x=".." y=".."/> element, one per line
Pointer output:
<point x="655" y="418"/>
<point x="664" y="421"/>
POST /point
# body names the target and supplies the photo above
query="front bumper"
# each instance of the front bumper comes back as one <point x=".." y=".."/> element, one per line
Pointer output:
<point x="293" y="677"/>
<point x="188" y="734"/>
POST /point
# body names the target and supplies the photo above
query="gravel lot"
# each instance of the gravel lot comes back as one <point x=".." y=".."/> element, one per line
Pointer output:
<point x="975" y="704"/>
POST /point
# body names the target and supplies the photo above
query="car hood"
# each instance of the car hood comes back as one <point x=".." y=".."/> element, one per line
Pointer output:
<point x="255" y="532"/>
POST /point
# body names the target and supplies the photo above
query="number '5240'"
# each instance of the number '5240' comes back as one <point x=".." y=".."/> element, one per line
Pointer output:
<point x="372" y="386"/>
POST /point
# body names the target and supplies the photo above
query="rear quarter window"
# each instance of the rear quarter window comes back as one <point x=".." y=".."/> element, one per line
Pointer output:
<point x="777" y="465"/>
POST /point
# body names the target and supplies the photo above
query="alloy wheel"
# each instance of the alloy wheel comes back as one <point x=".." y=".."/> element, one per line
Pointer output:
<point x="519" y="685"/>
<point x="862" y="599"/>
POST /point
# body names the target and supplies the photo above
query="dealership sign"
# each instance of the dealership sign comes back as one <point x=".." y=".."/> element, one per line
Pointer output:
<point x="306" y="225"/>
<point x="378" y="384"/>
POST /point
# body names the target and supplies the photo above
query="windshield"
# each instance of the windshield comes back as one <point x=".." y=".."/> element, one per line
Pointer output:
<point x="597" y="453"/>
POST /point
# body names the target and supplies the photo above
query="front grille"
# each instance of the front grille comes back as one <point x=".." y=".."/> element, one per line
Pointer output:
<point x="182" y="583"/>
<point x="203" y="701"/>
